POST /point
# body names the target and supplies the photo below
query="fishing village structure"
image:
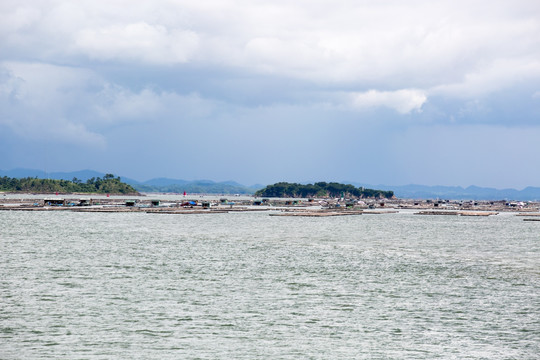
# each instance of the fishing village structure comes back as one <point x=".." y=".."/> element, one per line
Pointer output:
<point x="313" y="207"/>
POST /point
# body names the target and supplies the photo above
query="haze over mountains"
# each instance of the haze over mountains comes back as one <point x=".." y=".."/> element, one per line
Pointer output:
<point x="153" y="185"/>
<point x="459" y="193"/>
<point x="231" y="187"/>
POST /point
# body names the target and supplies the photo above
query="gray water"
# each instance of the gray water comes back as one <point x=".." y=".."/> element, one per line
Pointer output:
<point x="252" y="286"/>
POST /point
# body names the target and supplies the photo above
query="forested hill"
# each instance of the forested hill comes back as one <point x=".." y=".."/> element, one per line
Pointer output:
<point x="321" y="189"/>
<point x="109" y="184"/>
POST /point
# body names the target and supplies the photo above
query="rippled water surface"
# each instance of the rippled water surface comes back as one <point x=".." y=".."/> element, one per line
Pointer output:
<point x="252" y="286"/>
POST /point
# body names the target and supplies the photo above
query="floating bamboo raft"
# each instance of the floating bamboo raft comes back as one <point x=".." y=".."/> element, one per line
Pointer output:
<point x="456" y="213"/>
<point x="320" y="213"/>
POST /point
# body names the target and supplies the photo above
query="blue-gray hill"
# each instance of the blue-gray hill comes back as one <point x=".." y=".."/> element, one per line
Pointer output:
<point x="459" y="193"/>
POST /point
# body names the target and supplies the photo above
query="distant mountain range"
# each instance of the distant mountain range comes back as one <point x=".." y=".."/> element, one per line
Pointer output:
<point x="458" y="192"/>
<point x="166" y="185"/>
<point x="163" y="185"/>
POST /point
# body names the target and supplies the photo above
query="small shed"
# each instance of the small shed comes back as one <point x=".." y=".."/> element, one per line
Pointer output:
<point x="54" y="202"/>
<point x="206" y="205"/>
<point x="154" y="202"/>
<point x="130" y="202"/>
<point x="84" y="202"/>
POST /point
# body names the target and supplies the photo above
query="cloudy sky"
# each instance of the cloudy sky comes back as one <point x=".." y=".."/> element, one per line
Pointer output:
<point x="380" y="92"/>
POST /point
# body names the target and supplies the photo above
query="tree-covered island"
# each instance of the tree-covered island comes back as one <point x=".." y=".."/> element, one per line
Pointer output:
<point x="321" y="189"/>
<point x="109" y="184"/>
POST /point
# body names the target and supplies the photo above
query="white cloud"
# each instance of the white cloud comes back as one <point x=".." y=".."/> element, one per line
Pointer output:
<point x="498" y="75"/>
<point x="77" y="106"/>
<point x="391" y="44"/>
<point x="138" y="41"/>
<point x="115" y="104"/>
<point x="40" y="101"/>
<point x="20" y="18"/>
<point x="445" y="49"/>
<point x="403" y="101"/>
<point x="68" y="132"/>
<point x="271" y="54"/>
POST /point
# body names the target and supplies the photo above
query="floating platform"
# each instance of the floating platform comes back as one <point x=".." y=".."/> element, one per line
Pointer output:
<point x="321" y="213"/>
<point x="437" y="213"/>
<point x="458" y="213"/>
<point x="477" y="213"/>
<point x="379" y="212"/>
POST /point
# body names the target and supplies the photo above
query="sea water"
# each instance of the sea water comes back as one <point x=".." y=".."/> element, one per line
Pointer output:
<point x="252" y="286"/>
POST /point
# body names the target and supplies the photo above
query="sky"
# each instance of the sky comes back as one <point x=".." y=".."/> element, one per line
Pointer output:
<point x="377" y="92"/>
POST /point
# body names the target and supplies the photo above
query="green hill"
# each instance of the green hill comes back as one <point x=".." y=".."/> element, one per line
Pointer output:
<point x="109" y="184"/>
<point x="321" y="189"/>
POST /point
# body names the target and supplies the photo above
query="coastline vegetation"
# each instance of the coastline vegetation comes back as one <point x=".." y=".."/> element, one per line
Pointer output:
<point x="321" y="189"/>
<point x="109" y="184"/>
